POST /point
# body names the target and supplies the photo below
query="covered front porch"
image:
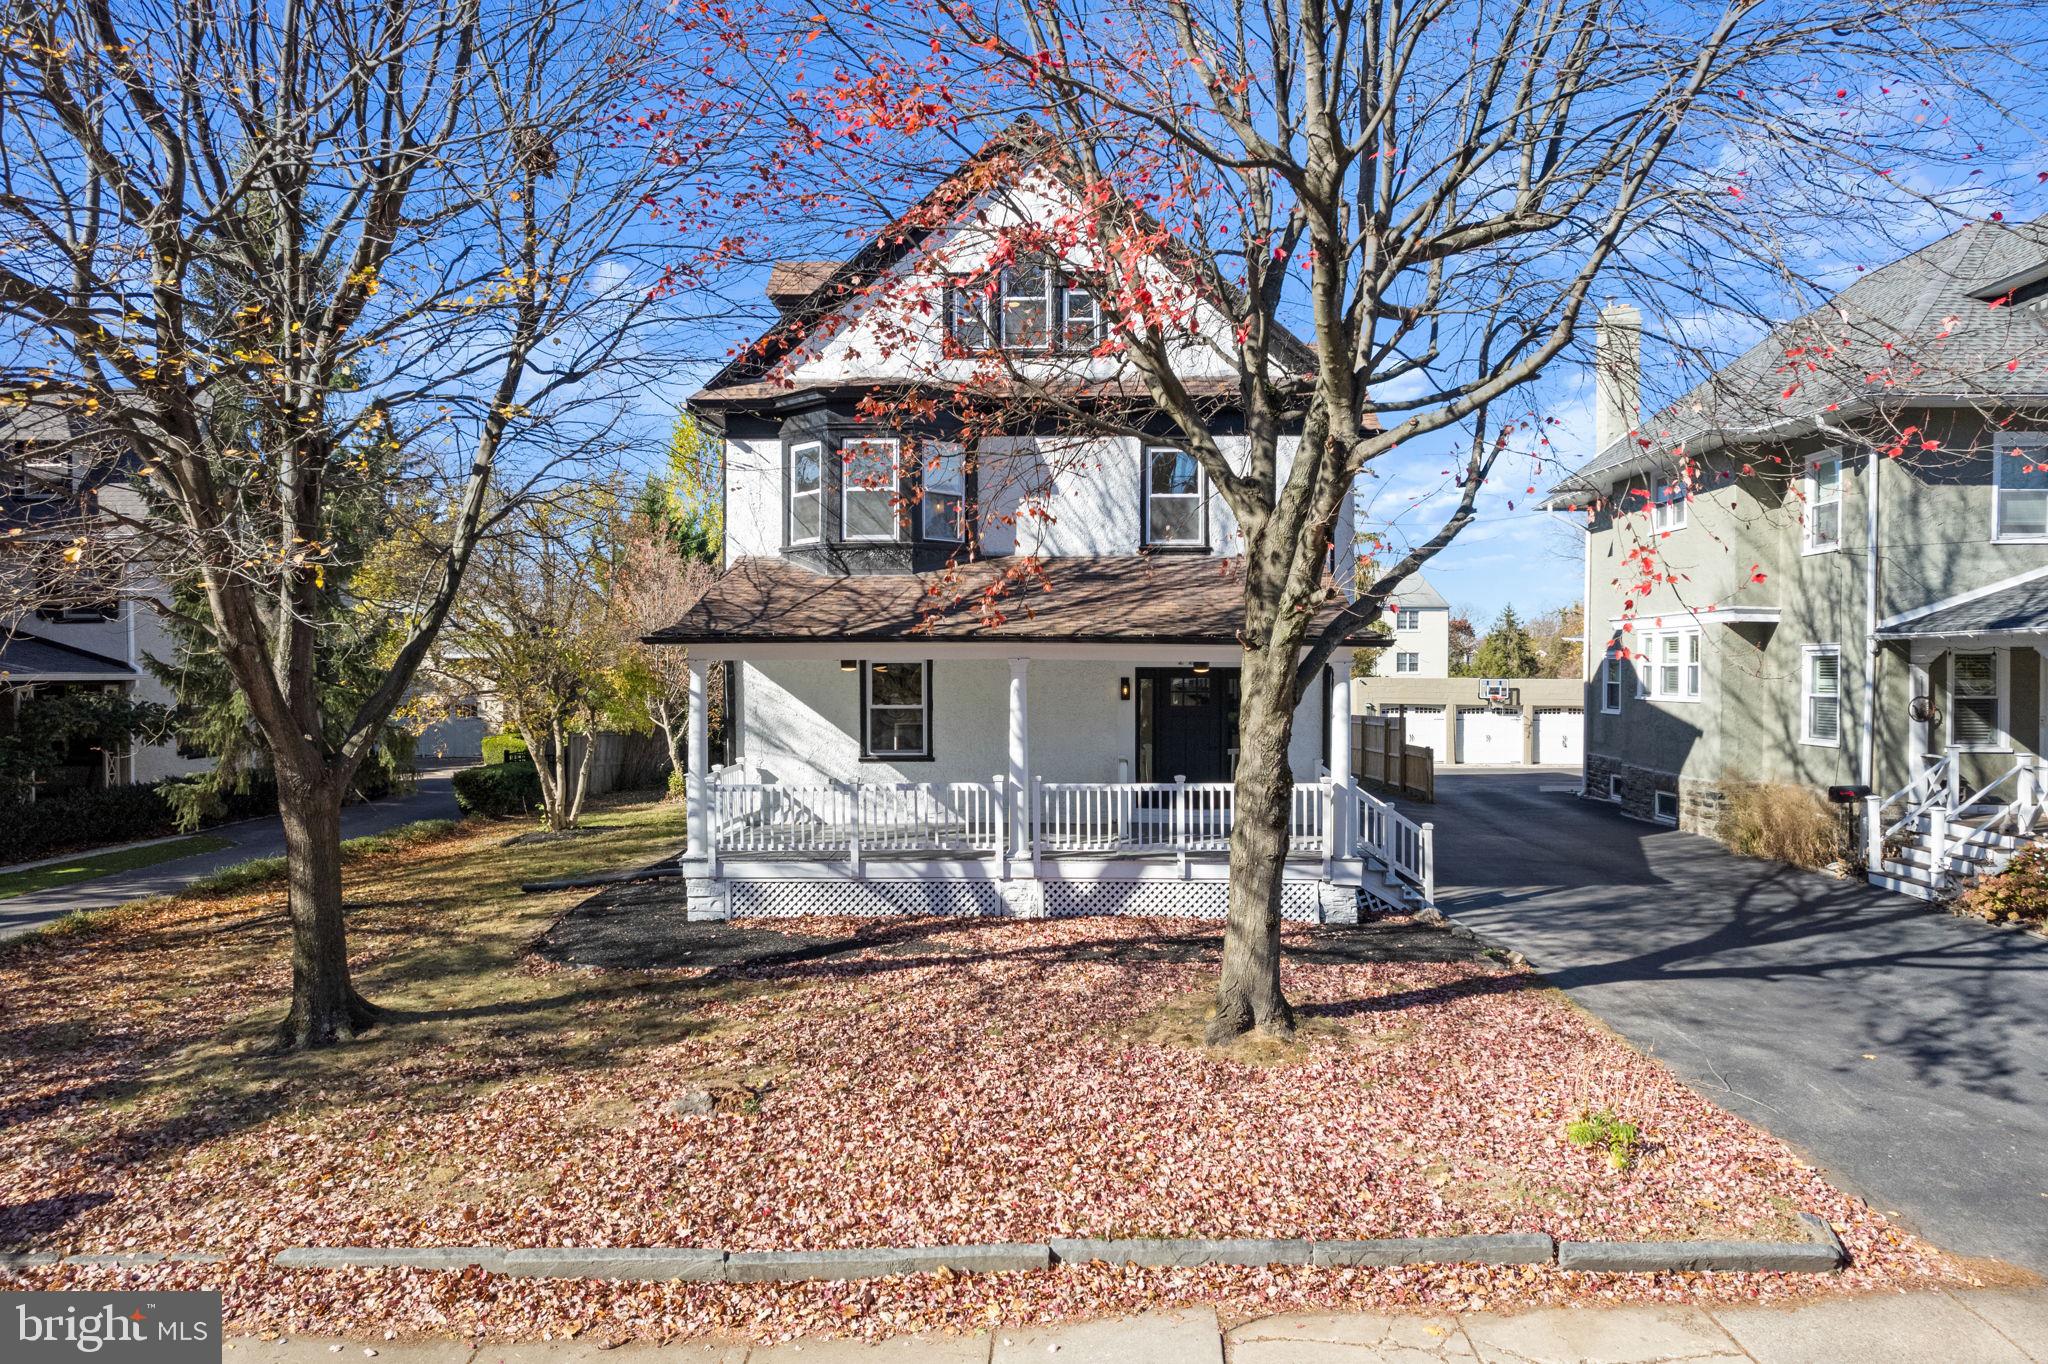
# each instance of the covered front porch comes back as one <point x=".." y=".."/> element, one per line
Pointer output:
<point x="1969" y="789"/>
<point x="1092" y="809"/>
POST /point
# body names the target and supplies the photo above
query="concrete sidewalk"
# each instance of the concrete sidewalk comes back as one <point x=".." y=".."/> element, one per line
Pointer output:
<point x="432" y="797"/>
<point x="1982" y="1326"/>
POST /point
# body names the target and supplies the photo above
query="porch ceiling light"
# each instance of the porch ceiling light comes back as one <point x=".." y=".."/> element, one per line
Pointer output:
<point x="847" y="665"/>
<point x="1200" y="668"/>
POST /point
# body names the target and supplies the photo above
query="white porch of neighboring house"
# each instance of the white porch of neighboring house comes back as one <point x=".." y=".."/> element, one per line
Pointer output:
<point x="1973" y="789"/>
<point x="1056" y="785"/>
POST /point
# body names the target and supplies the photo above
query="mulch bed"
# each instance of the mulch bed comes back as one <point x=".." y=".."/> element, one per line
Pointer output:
<point x="935" y="1082"/>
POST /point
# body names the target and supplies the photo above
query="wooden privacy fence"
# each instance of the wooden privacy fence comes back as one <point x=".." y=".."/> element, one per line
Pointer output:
<point x="1382" y="757"/>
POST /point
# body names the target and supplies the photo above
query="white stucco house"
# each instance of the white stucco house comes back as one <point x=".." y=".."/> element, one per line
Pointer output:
<point x="975" y="670"/>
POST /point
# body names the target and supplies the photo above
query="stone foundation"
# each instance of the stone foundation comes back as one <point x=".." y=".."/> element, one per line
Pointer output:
<point x="1699" y="802"/>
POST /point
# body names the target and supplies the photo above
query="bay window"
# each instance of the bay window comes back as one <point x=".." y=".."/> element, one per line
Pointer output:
<point x="1671" y="665"/>
<point x="867" y="490"/>
<point x="806" y="491"/>
<point x="945" y="492"/>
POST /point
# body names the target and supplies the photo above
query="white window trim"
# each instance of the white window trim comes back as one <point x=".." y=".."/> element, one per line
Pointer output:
<point x="1810" y="482"/>
<point x="1049" y="299"/>
<point x="1610" y="680"/>
<point x="1806" y="695"/>
<point x="817" y="494"/>
<point x="1200" y="497"/>
<point x="1657" y="814"/>
<point x="2002" y="449"/>
<point x="1670" y="501"/>
<point x="1691" y="674"/>
<point x="848" y="486"/>
<point x="2001" y="674"/>
<point x="1410" y="655"/>
<point x="1407" y="618"/>
<point x="1614" y="787"/>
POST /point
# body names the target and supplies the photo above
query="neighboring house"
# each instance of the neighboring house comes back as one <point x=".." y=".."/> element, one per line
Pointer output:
<point x="999" y="679"/>
<point x="1846" y="580"/>
<point x="74" y="627"/>
<point x="1420" y="620"/>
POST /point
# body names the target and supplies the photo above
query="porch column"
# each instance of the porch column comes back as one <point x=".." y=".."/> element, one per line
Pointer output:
<point x="1340" y="748"/>
<point x="1020" y="755"/>
<point x="697" y="793"/>
<point x="1923" y="732"/>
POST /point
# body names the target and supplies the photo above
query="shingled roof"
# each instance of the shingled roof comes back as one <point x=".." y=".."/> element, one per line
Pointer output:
<point x="1938" y="325"/>
<point x="1125" y="598"/>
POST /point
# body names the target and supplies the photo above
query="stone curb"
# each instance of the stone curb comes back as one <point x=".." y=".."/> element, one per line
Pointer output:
<point x="1822" y="1252"/>
<point x="1520" y="1248"/>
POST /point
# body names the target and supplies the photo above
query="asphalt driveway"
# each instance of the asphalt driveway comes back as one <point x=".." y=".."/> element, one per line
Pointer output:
<point x="1903" y="1050"/>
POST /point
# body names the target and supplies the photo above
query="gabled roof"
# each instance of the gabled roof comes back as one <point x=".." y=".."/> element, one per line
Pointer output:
<point x="1931" y="328"/>
<point x="1127" y="598"/>
<point x="833" y="285"/>
<point x="1418" y="593"/>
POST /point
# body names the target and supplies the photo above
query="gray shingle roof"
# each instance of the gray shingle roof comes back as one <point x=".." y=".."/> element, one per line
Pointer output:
<point x="2020" y="607"/>
<point x="1912" y="330"/>
<point x="25" y="658"/>
<point x="1417" y="591"/>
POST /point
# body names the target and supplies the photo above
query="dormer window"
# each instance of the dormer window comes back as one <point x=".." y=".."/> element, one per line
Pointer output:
<point x="806" y="492"/>
<point x="867" y="490"/>
<point x="945" y="493"/>
<point x="1174" y="499"/>
<point x="1083" y="320"/>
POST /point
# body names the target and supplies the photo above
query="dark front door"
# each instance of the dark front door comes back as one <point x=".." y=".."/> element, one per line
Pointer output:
<point x="1187" y="724"/>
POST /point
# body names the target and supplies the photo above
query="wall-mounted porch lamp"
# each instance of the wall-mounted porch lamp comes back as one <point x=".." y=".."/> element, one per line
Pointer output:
<point x="847" y="665"/>
<point x="1123" y="689"/>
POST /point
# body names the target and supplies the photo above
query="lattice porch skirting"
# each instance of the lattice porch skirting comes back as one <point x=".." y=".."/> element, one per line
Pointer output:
<point x="784" y="898"/>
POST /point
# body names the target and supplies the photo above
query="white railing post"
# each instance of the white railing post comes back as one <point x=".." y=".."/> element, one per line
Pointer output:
<point x="2029" y="792"/>
<point x="1180" y="822"/>
<point x="853" y="833"/>
<point x="712" y="818"/>
<point x="1000" y="793"/>
<point x="1329" y="798"/>
<point x="1873" y="833"/>
<point x="1937" y="837"/>
<point x="1351" y="831"/>
<point x="1955" y="782"/>
<point x="1428" y="852"/>
<point x="1034" y="837"/>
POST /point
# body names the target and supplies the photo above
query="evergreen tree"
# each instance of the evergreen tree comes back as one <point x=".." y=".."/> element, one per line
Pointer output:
<point x="1507" y="650"/>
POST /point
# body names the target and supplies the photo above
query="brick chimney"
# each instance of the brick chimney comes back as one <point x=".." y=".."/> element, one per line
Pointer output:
<point x="1617" y="373"/>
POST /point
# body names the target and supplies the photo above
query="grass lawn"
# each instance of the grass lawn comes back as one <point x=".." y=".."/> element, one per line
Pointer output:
<point x="76" y="869"/>
<point x="898" y="1082"/>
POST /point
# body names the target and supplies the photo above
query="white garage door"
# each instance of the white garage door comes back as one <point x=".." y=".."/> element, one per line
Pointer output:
<point x="1425" y="726"/>
<point x="1490" y="737"/>
<point x="1557" y="735"/>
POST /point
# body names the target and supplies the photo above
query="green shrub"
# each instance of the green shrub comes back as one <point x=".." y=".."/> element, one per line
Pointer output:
<point x="510" y="788"/>
<point x="239" y="876"/>
<point x="499" y="747"/>
<point x="678" y="784"/>
<point x="1781" y="823"/>
<point x="1604" y="1129"/>
<point x="2017" y="895"/>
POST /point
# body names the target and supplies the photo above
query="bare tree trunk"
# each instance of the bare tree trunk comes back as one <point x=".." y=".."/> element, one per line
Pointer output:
<point x="582" y="772"/>
<point x="325" y="1006"/>
<point x="1248" y="996"/>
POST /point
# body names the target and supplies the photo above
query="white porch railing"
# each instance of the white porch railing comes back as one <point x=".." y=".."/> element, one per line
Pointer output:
<point x="1933" y="805"/>
<point x="1333" y="821"/>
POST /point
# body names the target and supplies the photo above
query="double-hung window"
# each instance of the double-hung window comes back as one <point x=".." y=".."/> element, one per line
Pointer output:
<point x="896" y="710"/>
<point x="867" y="489"/>
<point x="945" y="492"/>
<point x="1408" y="618"/>
<point x="1974" y="702"/>
<point x="2019" y="497"/>
<point x="1028" y="298"/>
<point x="1407" y="663"/>
<point x="806" y="491"/>
<point x="1081" y="317"/>
<point x="1823" y="507"/>
<point x="1667" y="506"/>
<point x="1610" y="684"/>
<point x="1671" y="669"/>
<point x="1173" y="498"/>
<point x="1820" y="702"/>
